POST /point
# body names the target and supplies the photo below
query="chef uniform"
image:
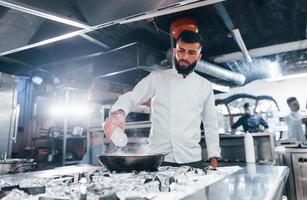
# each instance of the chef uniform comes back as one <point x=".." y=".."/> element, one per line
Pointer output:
<point x="295" y="129"/>
<point x="178" y="105"/>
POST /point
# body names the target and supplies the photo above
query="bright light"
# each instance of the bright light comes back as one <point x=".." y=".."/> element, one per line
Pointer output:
<point x="274" y="69"/>
<point x="71" y="110"/>
<point x="288" y="77"/>
<point x="220" y="88"/>
<point x="37" y="80"/>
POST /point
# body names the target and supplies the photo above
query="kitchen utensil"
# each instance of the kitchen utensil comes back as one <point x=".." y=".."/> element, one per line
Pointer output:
<point x="131" y="162"/>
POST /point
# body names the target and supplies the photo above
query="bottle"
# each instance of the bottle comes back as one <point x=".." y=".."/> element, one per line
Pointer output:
<point x="119" y="138"/>
<point x="249" y="148"/>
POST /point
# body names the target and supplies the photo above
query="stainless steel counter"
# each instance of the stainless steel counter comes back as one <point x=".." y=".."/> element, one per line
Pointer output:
<point x="60" y="171"/>
<point x="252" y="182"/>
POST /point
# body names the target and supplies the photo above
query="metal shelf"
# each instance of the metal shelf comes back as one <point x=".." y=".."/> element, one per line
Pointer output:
<point x="136" y="125"/>
<point x="67" y="95"/>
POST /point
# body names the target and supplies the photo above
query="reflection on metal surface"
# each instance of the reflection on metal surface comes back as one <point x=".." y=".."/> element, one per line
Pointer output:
<point x="65" y="183"/>
<point x="254" y="182"/>
<point x="95" y="41"/>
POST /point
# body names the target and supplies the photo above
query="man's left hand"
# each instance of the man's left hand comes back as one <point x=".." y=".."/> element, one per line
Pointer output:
<point x="213" y="163"/>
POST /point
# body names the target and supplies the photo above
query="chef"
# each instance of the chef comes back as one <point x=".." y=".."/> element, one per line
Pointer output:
<point x="180" y="100"/>
<point x="294" y="120"/>
<point x="251" y="122"/>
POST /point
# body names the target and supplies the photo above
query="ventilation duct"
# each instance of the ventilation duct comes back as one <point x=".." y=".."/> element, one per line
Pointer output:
<point x="214" y="71"/>
<point x="219" y="72"/>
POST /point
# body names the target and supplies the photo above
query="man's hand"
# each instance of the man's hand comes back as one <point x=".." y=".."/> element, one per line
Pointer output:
<point x="213" y="163"/>
<point x="116" y="119"/>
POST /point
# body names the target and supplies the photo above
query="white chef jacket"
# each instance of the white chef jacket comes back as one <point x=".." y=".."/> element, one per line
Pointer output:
<point x="177" y="107"/>
<point x="295" y="129"/>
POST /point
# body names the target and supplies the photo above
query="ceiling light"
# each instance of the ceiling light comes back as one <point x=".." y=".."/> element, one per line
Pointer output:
<point x="37" y="80"/>
<point x="274" y="70"/>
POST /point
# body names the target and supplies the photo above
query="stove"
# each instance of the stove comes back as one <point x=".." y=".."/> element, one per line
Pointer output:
<point x="166" y="183"/>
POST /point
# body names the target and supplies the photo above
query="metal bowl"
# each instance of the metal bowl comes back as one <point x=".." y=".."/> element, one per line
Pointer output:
<point x="131" y="162"/>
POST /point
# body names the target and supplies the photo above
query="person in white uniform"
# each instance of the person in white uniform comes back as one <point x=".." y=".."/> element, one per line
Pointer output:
<point x="294" y="120"/>
<point x="180" y="100"/>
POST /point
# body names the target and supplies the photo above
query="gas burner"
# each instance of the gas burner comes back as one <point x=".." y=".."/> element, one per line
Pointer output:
<point x="166" y="183"/>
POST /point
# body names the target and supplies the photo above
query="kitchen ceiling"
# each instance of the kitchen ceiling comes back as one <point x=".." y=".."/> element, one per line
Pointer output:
<point x="134" y="33"/>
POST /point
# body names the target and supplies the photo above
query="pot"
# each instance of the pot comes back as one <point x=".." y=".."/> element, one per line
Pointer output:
<point x="131" y="162"/>
<point x="16" y="165"/>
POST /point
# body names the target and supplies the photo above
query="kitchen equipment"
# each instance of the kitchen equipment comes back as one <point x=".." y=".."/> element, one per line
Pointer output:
<point x="77" y="131"/>
<point x="131" y="162"/>
<point x="296" y="160"/>
<point x="233" y="149"/>
<point x="16" y="165"/>
<point x="9" y="111"/>
<point x="299" y="162"/>
<point x="303" y="144"/>
<point x="288" y="143"/>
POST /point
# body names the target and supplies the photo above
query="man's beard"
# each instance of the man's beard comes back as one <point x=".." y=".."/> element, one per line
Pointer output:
<point x="184" y="71"/>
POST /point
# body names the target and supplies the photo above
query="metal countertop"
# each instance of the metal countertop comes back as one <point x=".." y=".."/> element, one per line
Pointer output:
<point x="252" y="182"/>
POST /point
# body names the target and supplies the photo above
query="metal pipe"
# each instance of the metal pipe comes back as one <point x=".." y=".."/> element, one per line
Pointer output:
<point x="221" y="73"/>
<point x="214" y="70"/>
<point x="235" y="32"/>
<point x="237" y="35"/>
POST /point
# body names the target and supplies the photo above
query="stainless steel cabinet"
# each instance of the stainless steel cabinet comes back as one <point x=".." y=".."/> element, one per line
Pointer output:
<point x="299" y="162"/>
<point x="296" y="160"/>
<point x="9" y="112"/>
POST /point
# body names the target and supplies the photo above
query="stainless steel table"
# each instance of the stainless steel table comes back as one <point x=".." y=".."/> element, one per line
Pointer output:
<point x="251" y="182"/>
<point x="60" y="171"/>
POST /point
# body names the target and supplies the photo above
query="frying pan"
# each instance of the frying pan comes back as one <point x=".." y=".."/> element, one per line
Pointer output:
<point x="132" y="162"/>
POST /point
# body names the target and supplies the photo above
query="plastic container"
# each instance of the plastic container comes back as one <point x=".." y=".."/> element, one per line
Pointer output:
<point x="119" y="138"/>
<point x="249" y="148"/>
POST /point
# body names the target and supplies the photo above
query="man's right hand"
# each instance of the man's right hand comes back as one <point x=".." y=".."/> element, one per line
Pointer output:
<point x="116" y="119"/>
